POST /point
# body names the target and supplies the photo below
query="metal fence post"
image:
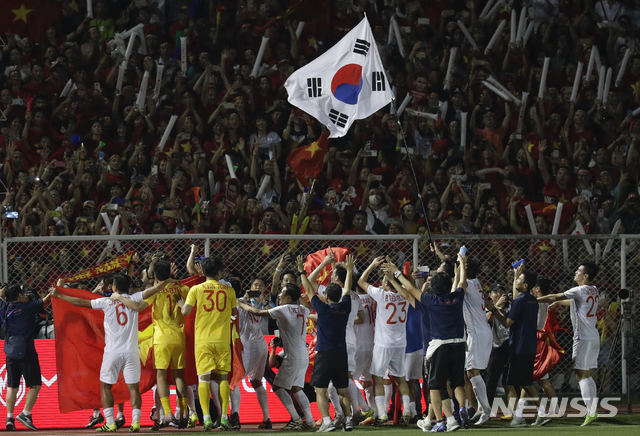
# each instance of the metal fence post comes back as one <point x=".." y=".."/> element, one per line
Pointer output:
<point x="207" y="246"/>
<point x="416" y="256"/>
<point x="5" y="262"/>
<point x="623" y="284"/>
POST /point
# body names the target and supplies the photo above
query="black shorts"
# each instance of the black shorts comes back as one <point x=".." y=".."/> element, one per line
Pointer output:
<point x="520" y="369"/>
<point x="447" y="364"/>
<point x="330" y="366"/>
<point x="28" y="367"/>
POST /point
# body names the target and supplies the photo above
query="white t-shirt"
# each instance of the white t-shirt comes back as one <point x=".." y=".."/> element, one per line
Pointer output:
<point x="391" y="316"/>
<point x="250" y="325"/>
<point x="473" y="309"/>
<point x="584" y="304"/>
<point x="292" y="323"/>
<point x="543" y="311"/>
<point x="365" y="331"/>
<point x="356" y="305"/>
<point x="120" y="324"/>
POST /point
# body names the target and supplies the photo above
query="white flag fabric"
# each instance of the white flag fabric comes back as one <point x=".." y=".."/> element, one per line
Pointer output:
<point x="345" y="84"/>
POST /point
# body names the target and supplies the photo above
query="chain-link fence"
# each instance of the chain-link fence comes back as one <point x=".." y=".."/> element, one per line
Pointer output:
<point x="37" y="262"/>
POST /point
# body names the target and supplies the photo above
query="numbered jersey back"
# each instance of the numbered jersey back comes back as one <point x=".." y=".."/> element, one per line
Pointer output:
<point x="120" y="324"/>
<point x="213" y="302"/>
<point x="584" y="305"/>
<point x="391" y="316"/>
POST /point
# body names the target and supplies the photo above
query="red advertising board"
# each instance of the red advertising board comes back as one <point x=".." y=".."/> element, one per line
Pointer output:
<point x="47" y="415"/>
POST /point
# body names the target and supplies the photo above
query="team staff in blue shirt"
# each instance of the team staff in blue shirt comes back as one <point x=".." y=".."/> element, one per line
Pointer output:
<point x="522" y="320"/>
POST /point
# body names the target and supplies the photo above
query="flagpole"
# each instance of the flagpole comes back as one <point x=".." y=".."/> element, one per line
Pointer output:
<point x="415" y="179"/>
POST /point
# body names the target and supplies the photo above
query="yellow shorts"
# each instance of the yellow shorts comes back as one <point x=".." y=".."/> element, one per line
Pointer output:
<point x="165" y="355"/>
<point x="214" y="357"/>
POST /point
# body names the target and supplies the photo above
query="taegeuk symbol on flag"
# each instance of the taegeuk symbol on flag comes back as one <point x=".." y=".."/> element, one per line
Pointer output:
<point x="345" y="84"/>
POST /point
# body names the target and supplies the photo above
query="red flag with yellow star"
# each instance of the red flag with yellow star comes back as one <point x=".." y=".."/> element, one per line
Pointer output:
<point x="315" y="259"/>
<point x="29" y="18"/>
<point x="308" y="160"/>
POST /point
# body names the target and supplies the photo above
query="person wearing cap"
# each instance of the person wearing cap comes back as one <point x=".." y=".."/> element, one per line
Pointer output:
<point x="491" y="131"/>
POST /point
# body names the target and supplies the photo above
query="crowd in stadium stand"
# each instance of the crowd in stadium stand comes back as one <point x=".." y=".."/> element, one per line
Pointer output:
<point x="68" y="159"/>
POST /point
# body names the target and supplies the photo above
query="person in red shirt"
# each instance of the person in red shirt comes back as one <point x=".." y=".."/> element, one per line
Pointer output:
<point x="560" y="189"/>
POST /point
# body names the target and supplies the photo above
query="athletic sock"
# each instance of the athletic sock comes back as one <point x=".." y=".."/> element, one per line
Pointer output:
<point x="204" y="394"/>
<point x="135" y="415"/>
<point x="335" y="399"/>
<point x="185" y="406"/>
<point x="362" y="401"/>
<point x="388" y="390"/>
<point x="96" y="413"/>
<point x="451" y="420"/>
<point x="371" y="399"/>
<point x="224" y="394"/>
<point x="215" y="394"/>
<point x="191" y="400"/>
<point x="594" y="396"/>
<point x="305" y="405"/>
<point x="326" y="419"/>
<point x="287" y="402"/>
<point x="166" y="405"/>
<point x="353" y="393"/>
<point x="412" y="409"/>
<point x="108" y="414"/>
<point x="263" y="400"/>
<point x="10" y="415"/>
<point x="480" y="389"/>
<point x="522" y="403"/>
<point x="381" y="405"/>
<point x="235" y="400"/>
<point x="406" y="401"/>
<point x="588" y="394"/>
<point x="26" y="412"/>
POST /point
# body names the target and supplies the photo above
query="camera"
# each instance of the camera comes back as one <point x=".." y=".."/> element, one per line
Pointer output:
<point x="277" y="341"/>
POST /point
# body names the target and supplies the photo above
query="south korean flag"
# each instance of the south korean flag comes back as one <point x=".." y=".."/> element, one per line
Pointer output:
<point x="345" y="84"/>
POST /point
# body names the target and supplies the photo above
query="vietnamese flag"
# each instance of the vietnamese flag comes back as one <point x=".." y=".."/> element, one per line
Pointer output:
<point x="548" y="352"/>
<point x="29" y="18"/>
<point x="315" y="259"/>
<point x="307" y="161"/>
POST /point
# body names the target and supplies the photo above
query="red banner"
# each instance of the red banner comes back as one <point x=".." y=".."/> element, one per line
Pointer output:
<point x="46" y="413"/>
<point x="115" y="264"/>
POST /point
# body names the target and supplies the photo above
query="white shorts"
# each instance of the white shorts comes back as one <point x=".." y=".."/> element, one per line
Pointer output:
<point x="413" y="365"/>
<point x="363" y="365"/>
<point x="254" y="360"/>
<point x="291" y="373"/>
<point x="113" y="363"/>
<point x="585" y="354"/>
<point x="387" y="359"/>
<point x="352" y="351"/>
<point x="479" y="346"/>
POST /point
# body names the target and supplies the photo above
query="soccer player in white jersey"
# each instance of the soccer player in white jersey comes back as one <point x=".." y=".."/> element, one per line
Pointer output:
<point x="121" y="352"/>
<point x="479" y="341"/>
<point x="254" y="355"/>
<point x="292" y="322"/>
<point x="390" y="341"/>
<point x="583" y="301"/>
<point x="365" y="332"/>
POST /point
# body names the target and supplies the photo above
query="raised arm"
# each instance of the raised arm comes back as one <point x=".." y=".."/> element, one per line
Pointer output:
<point x="463" y="272"/>
<point x="284" y="259"/>
<point x="329" y="259"/>
<point x="138" y="306"/>
<point x="157" y="288"/>
<point x="80" y="302"/>
<point x="349" y="264"/>
<point x="258" y="312"/>
<point x="401" y="284"/>
<point x="309" y="290"/>
<point x="552" y="298"/>
<point x="362" y="282"/>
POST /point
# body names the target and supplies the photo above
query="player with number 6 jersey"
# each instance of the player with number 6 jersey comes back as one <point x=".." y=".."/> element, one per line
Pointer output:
<point x="121" y="353"/>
